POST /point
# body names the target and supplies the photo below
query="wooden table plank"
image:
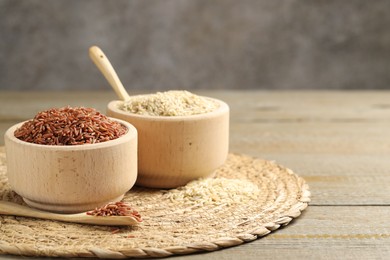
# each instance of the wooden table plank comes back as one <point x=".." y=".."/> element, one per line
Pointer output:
<point x="345" y="180"/>
<point x="313" y="137"/>
<point x="246" y="106"/>
<point x="24" y="105"/>
<point x="336" y="140"/>
<point x="325" y="233"/>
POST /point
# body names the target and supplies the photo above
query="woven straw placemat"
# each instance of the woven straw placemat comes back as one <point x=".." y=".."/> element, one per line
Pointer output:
<point x="169" y="227"/>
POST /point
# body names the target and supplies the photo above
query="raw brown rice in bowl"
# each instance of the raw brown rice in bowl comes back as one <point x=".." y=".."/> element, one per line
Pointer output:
<point x="69" y="126"/>
<point x="71" y="178"/>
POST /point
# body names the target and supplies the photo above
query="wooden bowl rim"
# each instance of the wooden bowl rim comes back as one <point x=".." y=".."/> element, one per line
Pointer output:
<point x="222" y="109"/>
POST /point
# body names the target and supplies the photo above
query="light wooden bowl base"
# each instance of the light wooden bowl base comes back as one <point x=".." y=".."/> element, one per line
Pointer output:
<point x="69" y="208"/>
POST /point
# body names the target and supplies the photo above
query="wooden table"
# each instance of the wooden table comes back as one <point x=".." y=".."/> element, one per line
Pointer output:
<point x="338" y="141"/>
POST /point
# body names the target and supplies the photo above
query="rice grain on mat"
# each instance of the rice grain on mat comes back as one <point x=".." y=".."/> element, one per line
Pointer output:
<point x="216" y="191"/>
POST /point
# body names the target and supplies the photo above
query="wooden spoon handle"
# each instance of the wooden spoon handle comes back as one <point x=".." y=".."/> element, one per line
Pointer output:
<point x="13" y="209"/>
<point x="9" y="208"/>
<point x="104" y="65"/>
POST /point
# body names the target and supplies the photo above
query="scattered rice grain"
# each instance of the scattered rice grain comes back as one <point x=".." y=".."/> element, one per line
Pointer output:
<point x="116" y="209"/>
<point x="214" y="191"/>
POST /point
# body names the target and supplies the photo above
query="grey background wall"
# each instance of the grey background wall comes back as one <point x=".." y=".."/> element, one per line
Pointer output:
<point x="197" y="44"/>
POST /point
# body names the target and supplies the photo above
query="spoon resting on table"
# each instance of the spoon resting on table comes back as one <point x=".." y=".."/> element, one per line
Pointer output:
<point x="9" y="208"/>
<point x="104" y="65"/>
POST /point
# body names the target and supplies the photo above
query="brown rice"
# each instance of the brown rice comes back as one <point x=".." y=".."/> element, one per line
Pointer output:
<point x="116" y="209"/>
<point x="69" y="126"/>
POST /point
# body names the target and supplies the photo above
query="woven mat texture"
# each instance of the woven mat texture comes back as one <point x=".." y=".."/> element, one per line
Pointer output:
<point x="169" y="228"/>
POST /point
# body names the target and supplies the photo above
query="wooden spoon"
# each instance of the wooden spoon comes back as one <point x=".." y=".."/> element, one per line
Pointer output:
<point x="101" y="61"/>
<point x="9" y="208"/>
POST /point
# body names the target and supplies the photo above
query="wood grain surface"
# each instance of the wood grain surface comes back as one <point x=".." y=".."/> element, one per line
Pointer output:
<point x="338" y="141"/>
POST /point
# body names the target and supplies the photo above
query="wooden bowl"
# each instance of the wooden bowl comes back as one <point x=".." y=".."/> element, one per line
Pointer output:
<point x="72" y="178"/>
<point x="173" y="150"/>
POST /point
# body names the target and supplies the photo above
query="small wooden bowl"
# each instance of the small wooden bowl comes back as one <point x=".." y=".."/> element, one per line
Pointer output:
<point x="72" y="178"/>
<point x="173" y="150"/>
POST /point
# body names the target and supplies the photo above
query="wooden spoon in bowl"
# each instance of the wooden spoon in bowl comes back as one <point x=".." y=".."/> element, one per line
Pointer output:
<point x="9" y="208"/>
<point x="104" y="65"/>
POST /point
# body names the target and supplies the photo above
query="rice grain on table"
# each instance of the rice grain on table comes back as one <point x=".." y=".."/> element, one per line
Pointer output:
<point x="169" y="103"/>
<point x="69" y="126"/>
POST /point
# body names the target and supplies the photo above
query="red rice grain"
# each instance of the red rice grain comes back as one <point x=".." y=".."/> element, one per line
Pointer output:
<point x="116" y="209"/>
<point x="69" y="126"/>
